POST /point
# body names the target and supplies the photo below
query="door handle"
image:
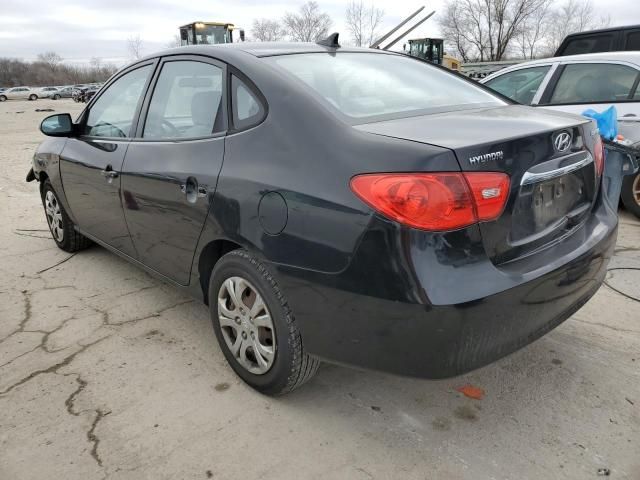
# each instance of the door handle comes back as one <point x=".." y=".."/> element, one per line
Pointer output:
<point x="109" y="173"/>
<point x="192" y="190"/>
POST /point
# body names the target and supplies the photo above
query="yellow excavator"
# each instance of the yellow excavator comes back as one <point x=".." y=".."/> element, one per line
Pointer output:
<point x="209" y="33"/>
<point x="429" y="49"/>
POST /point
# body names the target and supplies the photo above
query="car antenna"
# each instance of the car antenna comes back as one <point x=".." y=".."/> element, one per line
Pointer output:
<point x="331" y="41"/>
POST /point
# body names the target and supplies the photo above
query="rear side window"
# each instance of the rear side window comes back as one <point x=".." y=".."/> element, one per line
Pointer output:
<point x="186" y="101"/>
<point x="589" y="44"/>
<point x="593" y="83"/>
<point x="633" y="41"/>
<point x="361" y="85"/>
<point x="520" y="85"/>
<point x="247" y="108"/>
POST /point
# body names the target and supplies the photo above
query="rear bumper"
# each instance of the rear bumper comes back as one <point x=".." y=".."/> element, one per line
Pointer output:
<point x="440" y="308"/>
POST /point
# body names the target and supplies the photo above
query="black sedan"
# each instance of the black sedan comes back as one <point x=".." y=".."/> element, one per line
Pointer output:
<point x="349" y="205"/>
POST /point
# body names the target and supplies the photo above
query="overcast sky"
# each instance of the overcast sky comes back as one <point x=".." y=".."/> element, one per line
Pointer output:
<point x="79" y="30"/>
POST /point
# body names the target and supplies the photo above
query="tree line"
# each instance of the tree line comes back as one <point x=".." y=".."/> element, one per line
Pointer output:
<point x="310" y="23"/>
<point x="49" y="69"/>
<point x="473" y="30"/>
<point x="492" y="30"/>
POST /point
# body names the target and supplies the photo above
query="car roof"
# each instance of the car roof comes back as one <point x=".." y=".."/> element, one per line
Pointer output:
<point x="603" y="30"/>
<point x="628" y="56"/>
<point x="229" y="51"/>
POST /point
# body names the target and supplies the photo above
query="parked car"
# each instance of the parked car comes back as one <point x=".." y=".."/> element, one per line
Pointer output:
<point x="18" y="93"/>
<point x="327" y="207"/>
<point x="615" y="39"/>
<point x="63" y="92"/>
<point x="89" y="93"/>
<point x="47" y="92"/>
<point x="577" y="83"/>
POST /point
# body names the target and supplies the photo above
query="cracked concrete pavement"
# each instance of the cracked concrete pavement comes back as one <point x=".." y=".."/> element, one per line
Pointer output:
<point x="106" y="372"/>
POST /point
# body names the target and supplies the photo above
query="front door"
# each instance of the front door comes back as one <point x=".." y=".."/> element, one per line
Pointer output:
<point x="90" y="165"/>
<point x="171" y="170"/>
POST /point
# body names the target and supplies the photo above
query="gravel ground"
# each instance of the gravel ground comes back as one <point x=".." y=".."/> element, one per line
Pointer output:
<point x="106" y="372"/>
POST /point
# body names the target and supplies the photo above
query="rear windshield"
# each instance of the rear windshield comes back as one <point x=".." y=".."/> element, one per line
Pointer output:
<point x="364" y="85"/>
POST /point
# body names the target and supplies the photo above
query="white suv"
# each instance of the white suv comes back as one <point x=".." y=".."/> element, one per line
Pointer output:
<point x="18" y="93"/>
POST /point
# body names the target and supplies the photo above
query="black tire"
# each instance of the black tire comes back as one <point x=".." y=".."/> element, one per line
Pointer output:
<point x="33" y="97"/>
<point x="71" y="240"/>
<point x="631" y="200"/>
<point x="56" y="97"/>
<point x="3" y="98"/>
<point x="291" y="367"/>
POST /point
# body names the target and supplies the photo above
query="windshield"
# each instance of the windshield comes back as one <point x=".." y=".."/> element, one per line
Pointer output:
<point x="362" y="85"/>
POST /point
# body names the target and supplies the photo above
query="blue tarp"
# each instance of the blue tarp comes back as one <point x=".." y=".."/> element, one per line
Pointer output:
<point x="607" y="121"/>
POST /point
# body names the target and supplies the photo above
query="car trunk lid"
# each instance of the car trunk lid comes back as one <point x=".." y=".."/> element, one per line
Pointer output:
<point x="547" y="155"/>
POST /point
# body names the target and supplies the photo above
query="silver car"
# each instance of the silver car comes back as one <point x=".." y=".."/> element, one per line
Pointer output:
<point x="46" y="92"/>
<point x="19" y="93"/>
<point x="576" y="83"/>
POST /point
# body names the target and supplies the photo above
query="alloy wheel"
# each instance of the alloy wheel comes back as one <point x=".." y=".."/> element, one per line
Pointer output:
<point x="54" y="216"/>
<point x="246" y="325"/>
<point x="635" y="189"/>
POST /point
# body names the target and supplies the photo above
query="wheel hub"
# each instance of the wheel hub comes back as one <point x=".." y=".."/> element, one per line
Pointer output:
<point x="246" y="325"/>
<point x="54" y="216"/>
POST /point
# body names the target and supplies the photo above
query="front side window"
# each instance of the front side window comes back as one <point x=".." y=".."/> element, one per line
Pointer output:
<point x="593" y="83"/>
<point x="362" y="85"/>
<point x="247" y="109"/>
<point x="186" y="101"/>
<point x="520" y="85"/>
<point x="113" y="113"/>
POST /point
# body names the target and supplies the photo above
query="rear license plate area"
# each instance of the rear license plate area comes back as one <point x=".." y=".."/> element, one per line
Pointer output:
<point x="549" y="206"/>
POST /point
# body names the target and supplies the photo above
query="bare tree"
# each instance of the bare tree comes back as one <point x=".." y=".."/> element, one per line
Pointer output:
<point x="487" y="26"/>
<point x="51" y="59"/>
<point x="454" y="31"/>
<point x="363" y="22"/>
<point x="266" y="30"/>
<point x="135" y="46"/>
<point x="533" y="31"/>
<point x="308" y="25"/>
<point x="572" y="16"/>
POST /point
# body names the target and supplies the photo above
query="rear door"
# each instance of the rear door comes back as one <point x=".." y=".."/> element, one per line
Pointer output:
<point x="171" y="169"/>
<point x="91" y="164"/>
<point x="579" y="86"/>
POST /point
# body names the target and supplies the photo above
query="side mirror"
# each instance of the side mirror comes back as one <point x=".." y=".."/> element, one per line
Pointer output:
<point x="59" y="125"/>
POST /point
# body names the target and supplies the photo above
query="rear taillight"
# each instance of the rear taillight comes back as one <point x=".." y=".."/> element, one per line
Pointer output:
<point x="490" y="192"/>
<point x="598" y="156"/>
<point x="434" y="201"/>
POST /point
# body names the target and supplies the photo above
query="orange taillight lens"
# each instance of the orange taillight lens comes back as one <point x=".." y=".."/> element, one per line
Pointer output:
<point x="434" y="201"/>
